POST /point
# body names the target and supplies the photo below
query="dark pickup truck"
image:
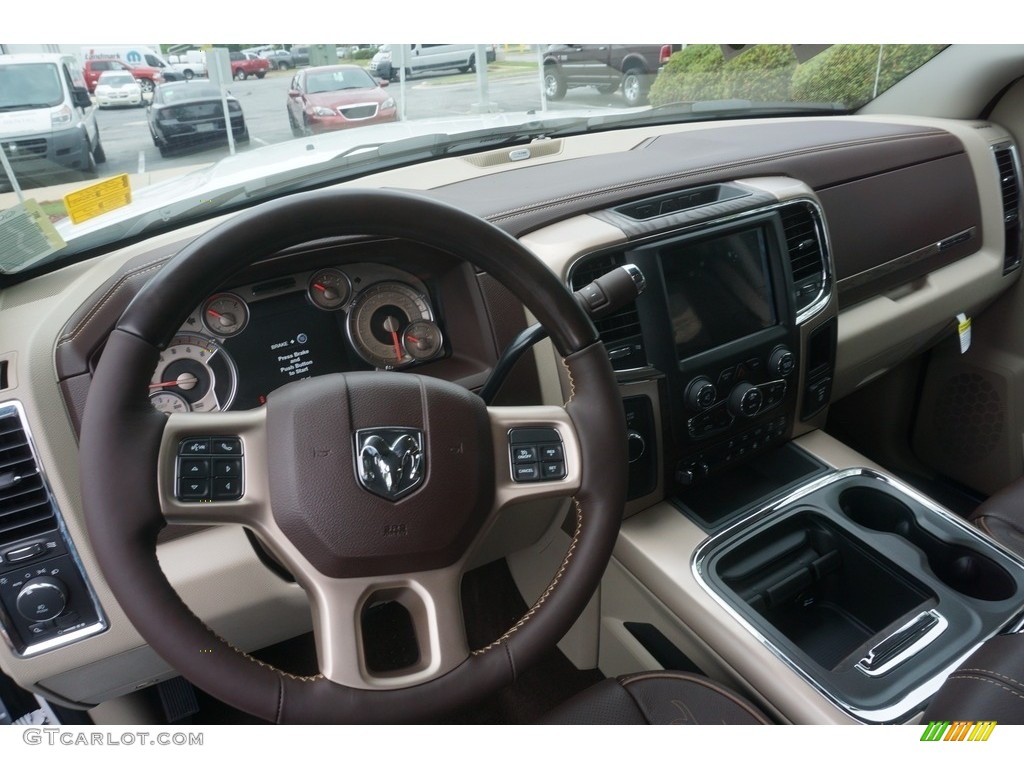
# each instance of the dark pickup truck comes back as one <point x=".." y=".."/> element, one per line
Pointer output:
<point x="607" y="67"/>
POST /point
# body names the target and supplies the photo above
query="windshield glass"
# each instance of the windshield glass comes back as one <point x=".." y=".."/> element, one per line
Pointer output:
<point x="438" y="99"/>
<point x="29" y="86"/>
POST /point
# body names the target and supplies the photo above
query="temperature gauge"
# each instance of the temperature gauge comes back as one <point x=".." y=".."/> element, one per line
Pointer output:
<point x="422" y="340"/>
<point x="329" y="289"/>
<point x="168" y="402"/>
<point x="225" y="314"/>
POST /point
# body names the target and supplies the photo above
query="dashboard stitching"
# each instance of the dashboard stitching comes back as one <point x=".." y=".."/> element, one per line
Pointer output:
<point x="695" y="172"/>
<point x="149" y="267"/>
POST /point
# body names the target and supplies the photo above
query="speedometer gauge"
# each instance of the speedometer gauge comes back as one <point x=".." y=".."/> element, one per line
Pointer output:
<point x="194" y="373"/>
<point x="379" y="318"/>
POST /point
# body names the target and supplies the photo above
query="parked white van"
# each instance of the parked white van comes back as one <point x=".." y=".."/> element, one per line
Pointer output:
<point x="135" y="55"/>
<point x="421" y="58"/>
<point x="48" y="127"/>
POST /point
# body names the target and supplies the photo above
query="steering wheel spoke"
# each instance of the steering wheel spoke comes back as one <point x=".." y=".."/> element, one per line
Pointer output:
<point x="212" y="468"/>
<point x="384" y="633"/>
<point x="536" y="453"/>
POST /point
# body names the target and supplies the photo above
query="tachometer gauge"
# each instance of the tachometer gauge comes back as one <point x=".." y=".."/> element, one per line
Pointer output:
<point x="379" y="318"/>
<point x="329" y="289"/>
<point x="196" y="370"/>
<point x="225" y="314"/>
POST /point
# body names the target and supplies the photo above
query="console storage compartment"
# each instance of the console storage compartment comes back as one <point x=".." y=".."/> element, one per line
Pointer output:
<point x="865" y="588"/>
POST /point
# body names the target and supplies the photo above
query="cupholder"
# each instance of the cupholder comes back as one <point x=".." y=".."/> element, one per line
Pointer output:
<point x="958" y="566"/>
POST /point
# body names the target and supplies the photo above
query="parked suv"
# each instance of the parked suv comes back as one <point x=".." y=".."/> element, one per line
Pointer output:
<point x="606" y="67"/>
<point x="47" y="120"/>
<point x="245" y="65"/>
<point x="148" y="77"/>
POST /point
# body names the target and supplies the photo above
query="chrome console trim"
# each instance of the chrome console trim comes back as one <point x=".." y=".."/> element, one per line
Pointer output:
<point x="914" y="700"/>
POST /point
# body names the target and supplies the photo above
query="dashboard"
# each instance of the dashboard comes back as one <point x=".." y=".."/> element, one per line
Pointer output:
<point x="768" y="300"/>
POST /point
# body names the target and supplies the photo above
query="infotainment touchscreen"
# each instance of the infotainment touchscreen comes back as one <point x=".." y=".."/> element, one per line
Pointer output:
<point x="718" y="289"/>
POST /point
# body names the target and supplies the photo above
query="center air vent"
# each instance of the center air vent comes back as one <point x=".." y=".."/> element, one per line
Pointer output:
<point x="620" y="331"/>
<point x="807" y="257"/>
<point x="25" y="508"/>
<point x="1008" y="167"/>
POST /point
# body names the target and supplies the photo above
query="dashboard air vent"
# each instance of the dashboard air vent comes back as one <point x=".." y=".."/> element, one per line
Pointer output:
<point x="25" y="507"/>
<point x="807" y="259"/>
<point x="620" y="331"/>
<point x="1008" y="167"/>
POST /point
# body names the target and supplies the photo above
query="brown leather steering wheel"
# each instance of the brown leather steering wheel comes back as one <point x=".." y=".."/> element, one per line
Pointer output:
<point x="301" y="494"/>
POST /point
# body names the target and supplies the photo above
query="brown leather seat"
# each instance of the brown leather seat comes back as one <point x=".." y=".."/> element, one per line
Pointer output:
<point x="1002" y="517"/>
<point x="656" y="698"/>
<point x="988" y="685"/>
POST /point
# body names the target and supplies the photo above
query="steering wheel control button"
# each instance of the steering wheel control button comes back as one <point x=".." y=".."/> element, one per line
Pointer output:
<point x="205" y="473"/>
<point x="522" y="454"/>
<point x="194" y="447"/>
<point x="527" y="445"/>
<point x="227" y="446"/>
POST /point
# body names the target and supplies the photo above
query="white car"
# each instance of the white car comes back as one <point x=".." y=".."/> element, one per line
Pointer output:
<point x="118" y="89"/>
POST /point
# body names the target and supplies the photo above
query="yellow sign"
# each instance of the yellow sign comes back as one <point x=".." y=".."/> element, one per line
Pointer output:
<point x="97" y="199"/>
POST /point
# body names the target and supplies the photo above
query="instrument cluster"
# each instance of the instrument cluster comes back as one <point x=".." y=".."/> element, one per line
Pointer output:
<point x="239" y="345"/>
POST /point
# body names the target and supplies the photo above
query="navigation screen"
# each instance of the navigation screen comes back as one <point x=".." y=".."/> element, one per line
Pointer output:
<point x="287" y="339"/>
<point x="718" y="290"/>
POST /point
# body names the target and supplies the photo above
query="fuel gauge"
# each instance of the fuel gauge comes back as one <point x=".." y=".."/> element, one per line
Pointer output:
<point x="422" y="340"/>
<point x="225" y="314"/>
<point x="329" y="289"/>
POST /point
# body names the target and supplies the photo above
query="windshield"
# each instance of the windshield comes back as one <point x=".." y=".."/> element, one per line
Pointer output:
<point x="116" y="78"/>
<point x="439" y="98"/>
<point x="29" y="86"/>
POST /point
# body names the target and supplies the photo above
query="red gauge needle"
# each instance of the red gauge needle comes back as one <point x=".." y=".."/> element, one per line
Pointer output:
<point x="164" y="384"/>
<point x="214" y="313"/>
<point x="413" y="339"/>
<point x="391" y="325"/>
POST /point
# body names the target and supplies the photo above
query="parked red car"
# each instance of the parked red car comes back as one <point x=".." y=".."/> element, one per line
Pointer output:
<point x="245" y="65"/>
<point x="148" y="77"/>
<point x="330" y="98"/>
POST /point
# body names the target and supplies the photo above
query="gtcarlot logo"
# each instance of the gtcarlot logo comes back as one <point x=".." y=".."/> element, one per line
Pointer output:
<point x="93" y="738"/>
<point x="958" y="730"/>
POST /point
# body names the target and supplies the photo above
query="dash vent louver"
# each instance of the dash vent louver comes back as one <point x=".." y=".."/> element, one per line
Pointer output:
<point x="1008" y="167"/>
<point x="807" y="257"/>
<point x="25" y="506"/>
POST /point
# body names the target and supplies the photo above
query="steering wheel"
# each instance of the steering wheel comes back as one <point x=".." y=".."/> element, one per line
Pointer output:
<point x="318" y="498"/>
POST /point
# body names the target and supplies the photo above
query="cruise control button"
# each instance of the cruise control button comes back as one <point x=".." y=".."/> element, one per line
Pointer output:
<point x="525" y="473"/>
<point x="551" y="452"/>
<point x="524" y="453"/>
<point x="552" y="470"/>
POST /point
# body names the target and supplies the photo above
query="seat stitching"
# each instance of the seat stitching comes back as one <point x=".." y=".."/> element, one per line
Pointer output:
<point x="957" y="676"/>
<point x="990" y="672"/>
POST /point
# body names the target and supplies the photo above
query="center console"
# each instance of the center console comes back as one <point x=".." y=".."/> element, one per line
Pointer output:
<point x="779" y="563"/>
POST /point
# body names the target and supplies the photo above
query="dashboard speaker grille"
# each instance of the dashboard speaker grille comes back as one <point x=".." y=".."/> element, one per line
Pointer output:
<point x="25" y="507"/>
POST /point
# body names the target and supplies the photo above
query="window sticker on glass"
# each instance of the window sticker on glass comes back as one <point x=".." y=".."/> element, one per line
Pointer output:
<point x="26" y="236"/>
<point x="97" y="199"/>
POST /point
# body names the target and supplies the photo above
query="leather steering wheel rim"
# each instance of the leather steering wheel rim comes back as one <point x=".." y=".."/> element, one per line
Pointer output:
<point x="121" y="443"/>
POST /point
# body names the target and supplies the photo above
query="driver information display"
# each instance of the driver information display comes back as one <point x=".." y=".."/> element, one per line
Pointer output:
<point x="287" y="340"/>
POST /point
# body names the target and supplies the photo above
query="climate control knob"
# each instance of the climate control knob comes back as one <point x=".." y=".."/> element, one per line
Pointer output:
<point x="745" y="400"/>
<point x="700" y="394"/>
<point x="781" y="361"/>
<point x="42" y="599"/>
